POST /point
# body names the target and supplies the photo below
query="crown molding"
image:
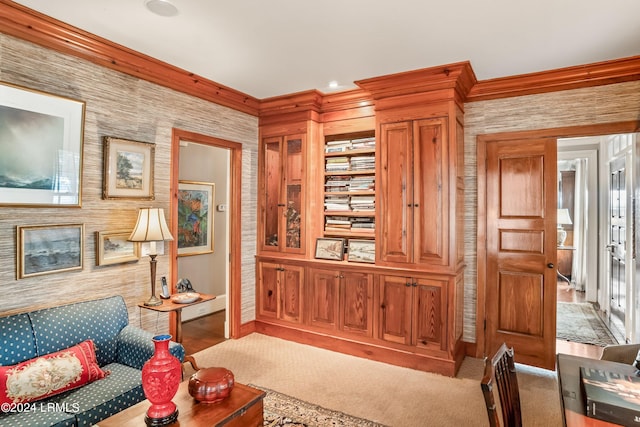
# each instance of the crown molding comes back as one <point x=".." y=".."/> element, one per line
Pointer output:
<point x="19" y="21"/>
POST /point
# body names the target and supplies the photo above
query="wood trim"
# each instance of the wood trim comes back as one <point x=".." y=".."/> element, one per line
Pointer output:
<point x="481" y="142"/>
<point x="596" y="74"/>
<point x="235" y="232"/>
<point x="19" y="21"/>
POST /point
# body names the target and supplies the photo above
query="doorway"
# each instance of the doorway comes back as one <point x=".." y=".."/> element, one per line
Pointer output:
<point x="213" y="166"/>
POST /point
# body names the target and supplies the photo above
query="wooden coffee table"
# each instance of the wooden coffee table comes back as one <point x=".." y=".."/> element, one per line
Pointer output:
<point x="242" y="408"/>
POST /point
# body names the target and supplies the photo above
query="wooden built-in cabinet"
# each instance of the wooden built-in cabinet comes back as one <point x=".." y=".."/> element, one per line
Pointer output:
<point x="280" y="291"/>
<point x="405" y="308"/>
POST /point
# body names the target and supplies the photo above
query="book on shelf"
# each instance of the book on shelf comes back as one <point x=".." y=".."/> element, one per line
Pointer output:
<point x="611" y="396"/>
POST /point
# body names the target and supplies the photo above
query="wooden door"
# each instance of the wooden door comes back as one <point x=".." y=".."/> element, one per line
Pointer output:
<point x="268" y="289"/>
<point x="356" y="292"/>
<point x="395" y="193"/>
<point x="430" y="314"/>
<point x="290" y="293"/>
<point x="323" y="298"/>
<point x="430" y="187"/>
<point x="271" y="183"/>
<point x="395" y="296"/>
<point x="292" y="205"/>
<point x="521" y="198"/>
<point x="617" y="245"/>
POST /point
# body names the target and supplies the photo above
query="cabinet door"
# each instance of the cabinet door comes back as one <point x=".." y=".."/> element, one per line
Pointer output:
<point x="395" y="309"/>
<point x="323" y="298"/>
<point x="293" y="194"/>
<point x="290" y="293"/>
<point x="271" y="185"/>
<point x="429" y="314"/>
<point x="356" y="314"/>
<point x="395" y="194"/>
<point x="430" y="192"/>
<point x="268" y="276"/>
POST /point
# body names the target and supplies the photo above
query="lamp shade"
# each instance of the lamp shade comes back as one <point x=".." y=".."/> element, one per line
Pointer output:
<point x="563" y="217"/>
<point x="151" y="226"/>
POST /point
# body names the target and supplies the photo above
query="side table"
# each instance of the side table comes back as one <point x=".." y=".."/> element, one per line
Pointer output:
<point x="169" y="306"/>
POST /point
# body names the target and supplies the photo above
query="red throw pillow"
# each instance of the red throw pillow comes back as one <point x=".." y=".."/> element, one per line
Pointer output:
<point x="49" y="375"/>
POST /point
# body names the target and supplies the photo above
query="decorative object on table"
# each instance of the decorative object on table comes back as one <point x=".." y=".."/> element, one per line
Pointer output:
<point x="195" y="219"/>
<point x="185" y="298"/>
<point x="161" y="377"/>
<point x="184" y="285"/>
<point x="151" y="227"/>
<point x="361" y="251"/>
<point x="330" y="248"/>
<point x="44" y="249"/>
<point x="563" y="219"/>
<point x="128" y="169"/>
<point x="41" y="142"/>
<point x="211" y="385"/>
<point x="112" y="247"/>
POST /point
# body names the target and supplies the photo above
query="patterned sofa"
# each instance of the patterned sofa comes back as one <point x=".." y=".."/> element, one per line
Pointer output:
<point x="120" y="350"/>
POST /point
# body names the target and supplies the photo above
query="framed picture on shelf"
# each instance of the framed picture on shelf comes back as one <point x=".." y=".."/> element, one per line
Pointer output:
<point x="330" y="248"/>
<point x="44" y="249"/>
<point x="128" y="169"/>
<point x="41" y="138"/>
<point x="195" y="217"/>
<point x="361" y="251"/>
<point x="112" y="247"/>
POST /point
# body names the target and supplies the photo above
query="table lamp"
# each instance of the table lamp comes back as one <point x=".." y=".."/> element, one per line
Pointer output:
<point x="563" y="219"/>
<point x="151" y="227"/>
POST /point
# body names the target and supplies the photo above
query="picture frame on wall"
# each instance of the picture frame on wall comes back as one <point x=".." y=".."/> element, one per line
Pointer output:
<point x="45" y="249"/>
<point x="41" y="139"/>
<point x="330" y="248"/>
<point x="112" y="247"/>
<point x="195" y="217"/>
<point x="361" y="251"/>
<point x="128" y="169"/>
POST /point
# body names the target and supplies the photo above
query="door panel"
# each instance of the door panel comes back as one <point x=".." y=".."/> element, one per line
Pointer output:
<point x="355" y="303"/>
<point x="521" y="249"/>
<point x="290" y="307"/>
<point x="323" y="297"/>
<point x="617" y="241"/>
<point x="395" y="309"/>
<point x="268" y="289"/>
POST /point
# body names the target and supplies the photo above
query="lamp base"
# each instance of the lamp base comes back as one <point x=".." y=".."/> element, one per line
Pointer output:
<point x="562" y="236"/>
<point x="153" y="301"/>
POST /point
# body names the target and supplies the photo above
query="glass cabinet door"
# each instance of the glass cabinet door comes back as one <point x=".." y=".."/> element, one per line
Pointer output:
<point x="283" y="208"/>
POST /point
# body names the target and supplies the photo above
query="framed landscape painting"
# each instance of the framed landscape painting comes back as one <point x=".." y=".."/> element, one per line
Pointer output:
<point x="45" y="249"/>
<point x="41" y="138"/>
<point x="112" y="247"/>
<point x="330" y="248"/>
<point x="195" y="217"/>
<point x="128" y="169"/>
<point x="361" y="251"/>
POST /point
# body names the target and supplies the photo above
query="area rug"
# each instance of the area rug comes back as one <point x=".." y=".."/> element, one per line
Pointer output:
<point x="281" y="410"/>
<point x="580" y="323"/>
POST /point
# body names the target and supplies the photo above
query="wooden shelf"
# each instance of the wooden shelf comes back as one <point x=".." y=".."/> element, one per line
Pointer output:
<point x="350" y="153"/>
<point x="350" y="213"/>
<point x="367" y="172"/>
<point x="351" y="234"/>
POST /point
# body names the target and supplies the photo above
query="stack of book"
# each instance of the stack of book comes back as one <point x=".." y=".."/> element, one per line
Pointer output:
<point x="362" y="143"/>
<point x="362" y="183"/>
<point x="337" y="164"/>
<point x="337" y="223"/>
<point x="337" y="183"/>
<point x="363" y="225"/>
<point x="363" y="163"/>
<point x="337" y="146"/>
<point x="335" y="203"/>
<point x="362" y="203"/>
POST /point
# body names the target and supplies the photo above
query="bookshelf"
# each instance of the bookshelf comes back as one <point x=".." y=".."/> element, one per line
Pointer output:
<point x="349" y="186"/>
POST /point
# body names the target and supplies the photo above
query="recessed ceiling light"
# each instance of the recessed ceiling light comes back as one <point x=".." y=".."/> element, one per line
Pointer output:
<point x="333" y="84"/>
<point x="161" y="7"/>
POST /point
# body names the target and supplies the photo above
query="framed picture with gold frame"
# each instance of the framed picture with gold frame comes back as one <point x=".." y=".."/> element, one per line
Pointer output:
<point x="112" y="247"/>
<point x="195" y="217"/>
<point x="128" y="169"/>
<point x="45" y="249"/>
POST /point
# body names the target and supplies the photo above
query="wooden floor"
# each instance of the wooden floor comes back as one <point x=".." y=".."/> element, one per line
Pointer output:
<point x="206" y="331"/>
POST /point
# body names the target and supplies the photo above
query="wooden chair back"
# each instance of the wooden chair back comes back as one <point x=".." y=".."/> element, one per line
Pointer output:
<point x="500" y="378"/>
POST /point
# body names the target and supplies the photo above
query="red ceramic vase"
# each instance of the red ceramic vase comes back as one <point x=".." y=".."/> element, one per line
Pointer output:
<point x="161" y="377"/>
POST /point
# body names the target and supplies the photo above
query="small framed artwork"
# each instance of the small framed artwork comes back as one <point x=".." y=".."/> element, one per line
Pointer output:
<point x="45" y="249"/>
<point x="112" y="247"/>
<point x="41" y="138"/>
<point x="330" y="248"/>
<point x="128" y="169"/>
<point x="195" y="217"/>
<point x="361" y="251"/>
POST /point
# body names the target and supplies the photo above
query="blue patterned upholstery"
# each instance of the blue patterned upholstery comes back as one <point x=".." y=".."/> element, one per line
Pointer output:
<point x="121" y="349"/>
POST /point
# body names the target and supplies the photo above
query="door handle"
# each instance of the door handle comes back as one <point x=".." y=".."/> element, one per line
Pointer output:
<point x="550" y="265"/>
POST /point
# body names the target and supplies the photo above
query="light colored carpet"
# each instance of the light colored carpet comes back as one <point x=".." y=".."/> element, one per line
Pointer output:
<point x="387" y="394"/>
<point x="579" y="322"/>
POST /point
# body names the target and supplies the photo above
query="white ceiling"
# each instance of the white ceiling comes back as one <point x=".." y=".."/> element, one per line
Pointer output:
<point x="267" y="48"/>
